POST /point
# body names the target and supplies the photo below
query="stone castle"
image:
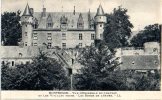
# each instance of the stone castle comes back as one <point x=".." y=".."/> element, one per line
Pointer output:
<point x="62" y="29"/>
<point x="68" y="30"/>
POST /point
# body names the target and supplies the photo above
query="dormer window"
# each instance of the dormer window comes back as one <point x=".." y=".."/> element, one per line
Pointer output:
<point x="80" y="23"/>
<point x="35" y="26"/>
<point x="49" y="21"/>
<point x="64" y="23"/>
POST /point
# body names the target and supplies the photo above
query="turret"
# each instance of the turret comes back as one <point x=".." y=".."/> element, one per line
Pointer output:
<point x="100" y="20"/>
<point x="27" y="26"/>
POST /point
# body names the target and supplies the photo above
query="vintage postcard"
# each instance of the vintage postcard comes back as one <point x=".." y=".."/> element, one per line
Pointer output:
<point x="81" y="49"/>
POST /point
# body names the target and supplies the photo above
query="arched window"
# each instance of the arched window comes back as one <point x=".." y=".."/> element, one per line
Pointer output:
<point x="20" y="54"/>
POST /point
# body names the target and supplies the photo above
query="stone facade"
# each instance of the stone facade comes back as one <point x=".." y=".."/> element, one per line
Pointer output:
<point x="61" y="29"/>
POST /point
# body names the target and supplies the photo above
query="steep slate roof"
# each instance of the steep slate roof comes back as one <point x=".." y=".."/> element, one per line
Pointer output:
<point x="27" y="11"/>
<point x="100" y="11"/>
<point x="140" y="62"/>
<point x="72" y="19"/>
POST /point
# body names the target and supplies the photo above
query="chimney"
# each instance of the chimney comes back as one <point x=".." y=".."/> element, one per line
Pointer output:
<point x="74" y="10"/>
<point x="44" y="12"/>
<point x="32" y="11"/>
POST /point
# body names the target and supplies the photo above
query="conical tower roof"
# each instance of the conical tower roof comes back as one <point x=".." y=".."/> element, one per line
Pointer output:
<point x="27" y="11"/>
<point x="100" y="11"/>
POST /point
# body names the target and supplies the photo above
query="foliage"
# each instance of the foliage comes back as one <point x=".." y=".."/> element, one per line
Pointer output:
<point x="42" y="74"/>
<point x="97" y="74"/>
<point x="11" y="28"/>
<point x="118" y="28"/>
<point x="143" y="81"/>
<point x="149" y="34"/>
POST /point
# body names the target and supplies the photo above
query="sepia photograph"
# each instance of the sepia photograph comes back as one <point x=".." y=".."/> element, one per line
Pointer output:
<point x="81" y="45"/>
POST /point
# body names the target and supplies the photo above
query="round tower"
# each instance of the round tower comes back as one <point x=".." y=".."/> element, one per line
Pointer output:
<point x="152" y="48"/>
<point x="100" y="20"/>
<point x="27" y="26"/>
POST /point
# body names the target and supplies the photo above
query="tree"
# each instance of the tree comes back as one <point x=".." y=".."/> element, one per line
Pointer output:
<point x="11" y="28"/>
<point x="98" y="68"/>
<point x="151" y="33"/>
<point x="138" y="81"/>
<point x="42" y="74"/>
<point x="117" y="29"/>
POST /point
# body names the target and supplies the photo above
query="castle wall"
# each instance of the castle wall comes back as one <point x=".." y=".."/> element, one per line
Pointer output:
<point x="16" y="61"/>
<point x="133" y="52"/>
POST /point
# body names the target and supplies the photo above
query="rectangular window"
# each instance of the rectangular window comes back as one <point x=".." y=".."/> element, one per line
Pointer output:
<point x="63" y="45"/>
<point x="26" y="34"/>
<point x="12" y="63"/>
<point x="34" y="44"/>
<point x="25" y="43"/>
<point x="80" y="45"/>
<point x="50" y="25"/>
<point x="80" y="36"/>
<point x="101" y="36"/>
<point x="35" y="37"/>
<point x="92" y="36"/>
<point x="49" y="44"/>
<point x="63" y="36"/>
<point x="49" y="36"/>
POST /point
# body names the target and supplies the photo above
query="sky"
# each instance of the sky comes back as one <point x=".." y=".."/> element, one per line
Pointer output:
<point x="141" y="12"/>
